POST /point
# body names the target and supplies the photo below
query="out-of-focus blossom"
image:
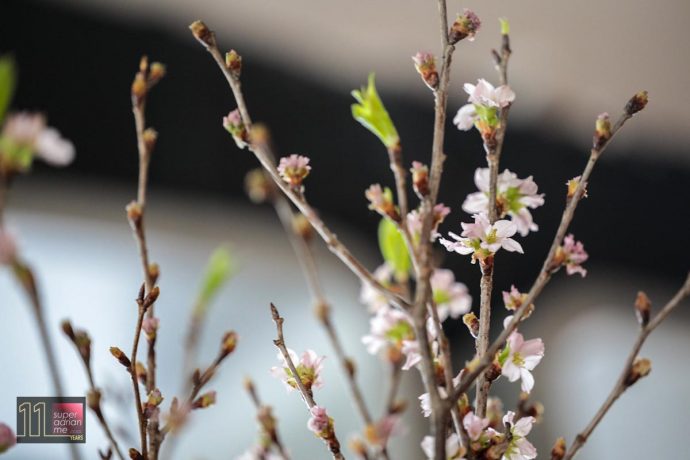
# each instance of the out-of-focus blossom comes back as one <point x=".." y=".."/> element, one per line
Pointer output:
<point x="519" y="358"/>
<point x="319" y="422"/>
<point x="7" y="438"/>
<point x="481" y="239"/>
<point x="308" y="367"/>
<point x="372" y="297"/>
<point x="519" y="448"/>
<point x="474" y="425"/>
<point x="390" y="329"/>
<point x="414" y="222"/>
<point x="381" y="431"/>
<point x="451" y="298"/>
<point x="150" y="326"/>
<point x="8" y="248"/>
<point x="453" y="450"/>
<point x="381" y="201"/>
<point x="259" y="453"/>
<point x="514" y="198"/>
<point x="572" y="254"/>
<point x="465" y="26"/>
<point x="26" y="134"/>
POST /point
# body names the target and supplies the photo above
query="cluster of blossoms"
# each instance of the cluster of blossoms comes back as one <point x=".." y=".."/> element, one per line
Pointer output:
<point x="391" y="333"/>
<point x="485" y="440"/>
<point x="308" y="367"/>
<point x="514" y="198"/>
<point x="294" y="169"/>
<point x="25" y="136"/>
<point x="483" y="239"/>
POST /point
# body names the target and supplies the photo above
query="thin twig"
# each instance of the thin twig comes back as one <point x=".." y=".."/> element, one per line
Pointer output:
<point x="272" y="430"/>
<point x="623" y="384"/>
<point x="547" y="269"/>
<point x="262" y="153"/>
<point x="135" y="380"/>
<point x="332" y="442"/>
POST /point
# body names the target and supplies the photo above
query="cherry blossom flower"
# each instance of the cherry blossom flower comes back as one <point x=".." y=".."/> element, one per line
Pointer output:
<point x="7" y="438"/>
<point x="484" y="93"/>
<point x="481" y="239"/>
<point x="514" y="300"/>
<point x="381" y="201"/>
<point x="484" y="101"/>
<point x="319" y="423"/>
<point x="514" y="198"/>
<point x="8" y="248"/>
<point x="425" y="399"/>
<point x="382" y="430"/>
<point x="233" y="124"/>
<point x="414" y="222"/>
<point x="390" y="330"/>
<point x="308" y="367"/>
<point x="26" y="130"/>
<point x="453" y="450"/>
<point x="465" y="117"/>
<point x="451" y="298"/>
<point x="372" y="297"/>
<point x="474" y="425"/>
<point x="294" y="169"/>
<point x="520" y="357"/>
<point x="519" y="447"/>
<point x="572" y="254"/>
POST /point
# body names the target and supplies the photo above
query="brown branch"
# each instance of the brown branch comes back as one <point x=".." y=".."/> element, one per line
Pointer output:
<point x="261" y="150"/>
<point x="271" y="427"/>
<point x="332" y="442"/>
<point x="547" y="270"/>
<point x="624" y="380"/>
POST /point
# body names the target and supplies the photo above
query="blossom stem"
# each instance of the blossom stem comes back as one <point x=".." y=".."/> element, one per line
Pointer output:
<point x="547" y="269"/>
<point x="263" y="154"/>
<point x="482" y="343"/>
<point x="332" y="442"/>
<point x="622" y="385"/>
<point x="135" y="380"/>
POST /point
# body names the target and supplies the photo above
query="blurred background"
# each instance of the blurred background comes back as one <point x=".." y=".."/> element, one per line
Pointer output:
<point x="571" y="61"/>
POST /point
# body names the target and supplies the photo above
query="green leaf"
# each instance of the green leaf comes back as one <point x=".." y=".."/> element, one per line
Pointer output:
<point x="371" y="113"/>
<point x="505" y="26"/>
<point x="7" y="83"/>
<point x="394" y="250"/>
<point x="218" y="270"/>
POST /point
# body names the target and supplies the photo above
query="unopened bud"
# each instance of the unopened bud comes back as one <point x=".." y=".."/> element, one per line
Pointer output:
<point x="381" y="201"/>
<point x="358" y="447"/>
<point x="640" y="368"/>
<point x="233" y="62"/>
<point x="202" y="33"/>
<point x="637" y="102"/>
<point x="154" y="272"/>
<point x="93" y="400"/>
<point x="322" y="311"/>
<point x="121" y="357"/>
<point x="157" y="71"/>
<point x="572" y="185"/>
<point x="472" y="323"/>
<point x="602" y="130"/>
<point x="150" y="327"/>
<point x="465" y="26"/>
<point x="559" y="449"/>
<point x="294" y="169"/>
<point x="643" y="308"/>
<point x="259" y="134"/>
<point x="229" y="343"/>
<point x="493" y="372"/>
<point x="139" y="86"/>
<point x="135" y="455"/>
<point x="425" y="65"/>
<point x="140" y="370"/>
<point x="350" y="366"/>
<point x="258" y="186"/>
<point x="67" y="329"/>
<point x="420" y="178"/>
<point x="155" y="398"/>
<point x="150" y="136"/>
<point x="233" y="124"/>
<point x="152" y="296"/>
<point x="134" y="212"/>
<point x="302" y="227"/>
<point x="205" y="400"/>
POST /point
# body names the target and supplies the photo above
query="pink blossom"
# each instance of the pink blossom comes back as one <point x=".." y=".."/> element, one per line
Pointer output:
<point x="514" y="198"/>
<point x="481" y="239"/>
<point x="319" y="422"/>
<point x="513" y="299"/>
<point x="452" y="447"/>
<point x="8" y="248"/>
<point x="29" y="130"/>
<point x="465" y="118"/>
<point x="424" y="61"/>
<point x="294" y="169"/>
<point x="150" y="326"/>
<point x="389" y="328"/>
<point x="259" y="453"/>
<point x="521" y="357"/>
<point x="7" y="438"/>
<point x="308" y="366"/>
<point x="474" y="425"/>
<point x="232" y="120"/>
<point x="572" y="254"/>
<point x="451" y="298"/>
<point x="484" y="93"/>
<point x="414" y="222"/>
<point x="519" y="448"/>
<point x="372" y="297"/>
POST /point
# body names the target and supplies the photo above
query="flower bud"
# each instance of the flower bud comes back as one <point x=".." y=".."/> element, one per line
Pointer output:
<point x="559" y="449"/>
<point x="154" y="272"/>
<point x="121" y="357"/>
<point x="425" y="65"/>
<point x="636" y="103"/>
<point x="602" y="130"/>
<point x="229" y="343"/>
<point x="93" y="400"/>
<point x="150" y="136"/>
<point x="640" y="368"/>
<point x="643" y="308"/>
<point x="420" y="178"/>
<point x="151" y="297"/>
<point x="294" y="169"/>
<point x="258" y="186"/>
<point x="472" y="323"/>
<point x="134" y="212"/>
<point x="302" y="227"/>
<point x="465" y="26"/>
<point x="135" y="455"/>
<point x="358" y="447"/>
<point x="140" y="370"/>
<point x="233" y="62"/>
<point x="205" y="400"/>
<point x="381" y="201"/>
<point x="156" y="71"/>
<point x="139" y="86"/>
<point x="67" y="329"/>
<point x="234" y="125"/>
<point x="202" y="33"/>
<point x="322" y="311"/>
<point x="150" y="326"/>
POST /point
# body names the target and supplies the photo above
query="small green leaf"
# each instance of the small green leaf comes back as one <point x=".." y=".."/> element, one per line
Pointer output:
<point x="503" y="356"/>
<point x="218" y="270"/>
<point x="371" y="113"/>
<point x="394" y="250"/>
<point x="505" y="26"/>
<point x="7" y="83"/>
